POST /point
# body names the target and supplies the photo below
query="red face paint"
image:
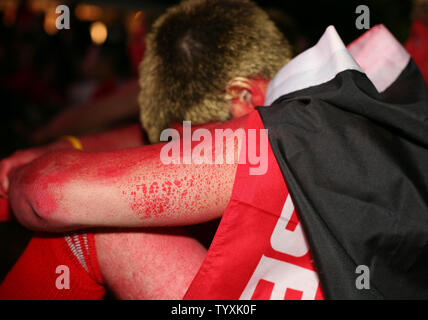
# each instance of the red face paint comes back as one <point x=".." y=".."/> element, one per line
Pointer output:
<point x="153" y="189"/>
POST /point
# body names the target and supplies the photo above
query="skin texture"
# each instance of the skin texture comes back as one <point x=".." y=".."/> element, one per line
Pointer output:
<point x="149" y="264"/>
<point x="121" y="188"/>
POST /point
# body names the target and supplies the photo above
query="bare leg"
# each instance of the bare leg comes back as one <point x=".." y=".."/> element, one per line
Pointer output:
<point x="150" y="264"/>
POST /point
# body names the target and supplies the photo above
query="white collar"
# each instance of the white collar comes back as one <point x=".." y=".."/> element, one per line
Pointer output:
<point x="378" y="53"/>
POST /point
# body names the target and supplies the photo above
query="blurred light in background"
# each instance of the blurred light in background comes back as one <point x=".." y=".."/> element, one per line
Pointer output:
<point x="39" y="6"/>
<point x="98" y="31"/>
<point x="87" y="12"/>
<point x="49" y="23"/>
<point x="134" y="21"/>
<point x="9" y="8"/>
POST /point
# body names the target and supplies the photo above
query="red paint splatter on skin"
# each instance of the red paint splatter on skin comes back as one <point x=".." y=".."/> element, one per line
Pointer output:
<point x="186" y="194"/>
<point x="139" y="201"/>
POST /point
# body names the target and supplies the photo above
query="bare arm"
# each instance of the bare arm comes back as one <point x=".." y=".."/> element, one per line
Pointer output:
<point x="122" y="138"/>
<point x="126" y="188"/>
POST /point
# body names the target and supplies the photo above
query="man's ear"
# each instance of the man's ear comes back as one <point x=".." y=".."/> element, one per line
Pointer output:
<point x="245" y="94"/>
<point x="258" y="91"/>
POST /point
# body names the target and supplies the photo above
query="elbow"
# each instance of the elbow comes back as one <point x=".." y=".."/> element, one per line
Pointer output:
<point x="27" y="216"/>
<point x="34" y="220"/>
<point x="36" y="194"/>
<point x="40" y="213"/>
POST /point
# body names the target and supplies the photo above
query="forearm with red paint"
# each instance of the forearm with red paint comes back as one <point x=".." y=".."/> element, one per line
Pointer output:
<point x="70" y="189"/>
<point x="127" y="137"/>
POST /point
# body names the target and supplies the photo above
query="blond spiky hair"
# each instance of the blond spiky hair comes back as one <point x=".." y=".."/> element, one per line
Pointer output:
<point x="193" y="51"/>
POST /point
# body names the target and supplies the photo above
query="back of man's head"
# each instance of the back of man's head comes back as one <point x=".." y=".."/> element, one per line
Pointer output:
<point x="193" y="51"/>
